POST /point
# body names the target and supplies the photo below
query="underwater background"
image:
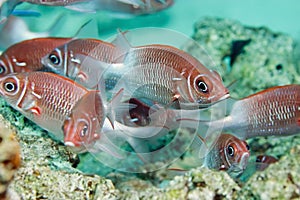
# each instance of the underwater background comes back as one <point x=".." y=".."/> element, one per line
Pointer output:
<point x="49" y="171"/>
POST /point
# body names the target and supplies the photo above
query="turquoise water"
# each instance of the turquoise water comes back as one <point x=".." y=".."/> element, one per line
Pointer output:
<point x="281" y="16"/>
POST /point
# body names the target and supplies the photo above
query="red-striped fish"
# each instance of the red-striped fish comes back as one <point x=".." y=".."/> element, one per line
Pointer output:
<point x="73" y="60"/>
<point x="83" y="128"/>
<point x="26" y="56"/>
<point x="229" y="153"/>
<point x="45" y="98"/>
<point x="168" y="75"/>
<point x="274" y="111"/>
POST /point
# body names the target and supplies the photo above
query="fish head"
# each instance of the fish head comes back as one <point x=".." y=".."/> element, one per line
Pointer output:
<point x="207" y="88"/>
<point x="85" y="122"/>
<point x="78" y="132"/>
<point x="234" y="154"/>
<point x="12" y="86"/>
<point x="62" y="61"/>
<point x="55" y="61"/>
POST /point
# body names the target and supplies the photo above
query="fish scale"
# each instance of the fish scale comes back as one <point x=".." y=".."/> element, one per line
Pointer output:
<point x="48" y="98"/>
<point x="179" y="73"/>
<point x="145" y="81"/>
<point x="280" y="120"/>
<point x="92" y="47"/>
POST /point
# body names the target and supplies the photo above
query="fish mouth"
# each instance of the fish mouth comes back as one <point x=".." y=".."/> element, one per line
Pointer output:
<point x="69" y="144"/>
<point x="201" y="104"/>
<point x="74" y="148"/>
<point x="237" y="169"/>
<point x="226" y="96"/>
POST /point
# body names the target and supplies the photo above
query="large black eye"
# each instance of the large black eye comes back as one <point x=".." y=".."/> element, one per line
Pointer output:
<point x="230" y="150"/>
<point x="54" y="59"/>
<point x="10" y="86"/>
<point x="84" y="130"/>
<point x="248" y="147"/>
<point x="2" y="69"/>
<point x="201" y="85"/>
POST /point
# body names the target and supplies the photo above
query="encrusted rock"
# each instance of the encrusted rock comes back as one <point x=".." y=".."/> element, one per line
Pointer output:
<point x="10" y="158"/>
<point x="48" y="168"/>
<point x="278" y="181"/>
<point x="40" y="182"/>
<point x="255" y="57"/>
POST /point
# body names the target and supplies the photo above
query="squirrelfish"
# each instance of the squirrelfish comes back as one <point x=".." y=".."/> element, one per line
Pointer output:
<point x="135" y="7"/>
<point x="45" y="98"/>
<point x="229" y="153"/>
<point x="72" y="59"/>
<point x="166" y="75"/>
<point x="26" y="56"/>
<point x="83" y="127"/>
<point x="85" y="122"/>
<point x="274" y="111"/>
<point x="263" y="161"/>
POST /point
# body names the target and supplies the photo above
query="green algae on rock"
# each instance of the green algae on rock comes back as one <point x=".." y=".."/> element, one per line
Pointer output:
<point x="266" y="60"/>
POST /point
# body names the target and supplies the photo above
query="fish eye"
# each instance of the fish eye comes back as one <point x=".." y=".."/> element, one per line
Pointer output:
<point x="54" y="59"/>
<point x="10" y="86"/>
<point x="2" y="69"/>
<point x="259" y="159"/>
<point x="84" y="130"/>
<point x="247" y="147"/>
<point x="201" y="85"/>
<point x="230" y="150"/>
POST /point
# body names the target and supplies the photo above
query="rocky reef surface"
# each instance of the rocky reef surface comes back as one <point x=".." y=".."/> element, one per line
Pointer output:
<point x="255" y="57"/>
<point x="10" y="159"/>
